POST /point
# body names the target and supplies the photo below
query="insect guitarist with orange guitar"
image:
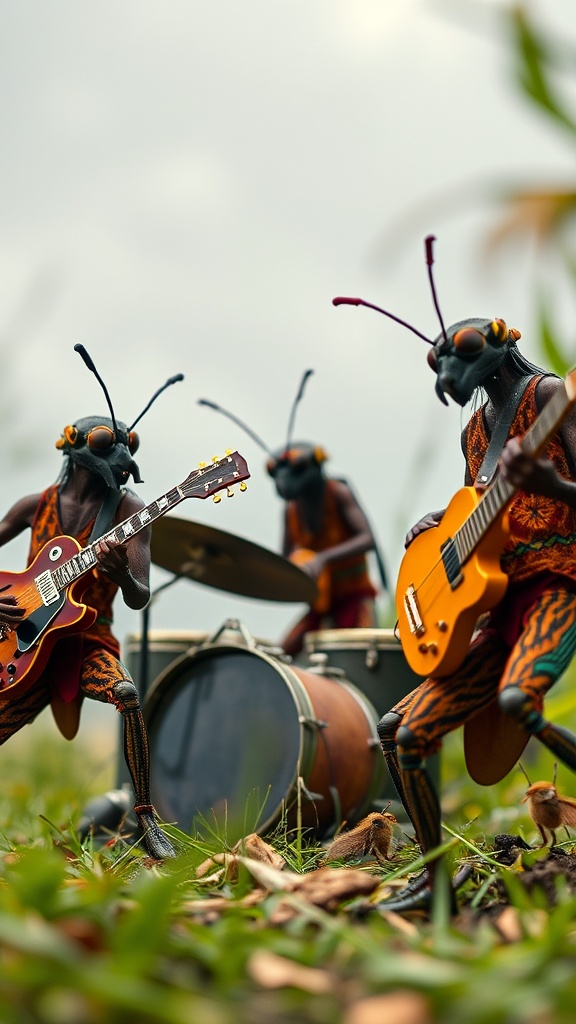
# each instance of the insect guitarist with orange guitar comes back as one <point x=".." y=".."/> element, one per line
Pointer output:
<point x="325" y="532"/>
<point x="88" y="498"/>
<point x="486" y="593"/>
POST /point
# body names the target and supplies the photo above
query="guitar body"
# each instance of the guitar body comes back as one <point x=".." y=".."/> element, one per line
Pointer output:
<point x="446" y="614"/>
<point x="25" y="649"/>
<point x="322" y="602"/>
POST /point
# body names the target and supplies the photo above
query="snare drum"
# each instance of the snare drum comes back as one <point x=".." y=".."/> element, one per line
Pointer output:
<point x="239" y="738"/>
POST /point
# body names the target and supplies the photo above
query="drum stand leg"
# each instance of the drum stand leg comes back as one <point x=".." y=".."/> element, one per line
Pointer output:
<point x="144" y="645"/>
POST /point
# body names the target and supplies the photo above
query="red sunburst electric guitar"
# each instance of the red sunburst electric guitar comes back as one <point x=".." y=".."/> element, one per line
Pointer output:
<point x="51" y="588"/>
<point x="451" y="573"/>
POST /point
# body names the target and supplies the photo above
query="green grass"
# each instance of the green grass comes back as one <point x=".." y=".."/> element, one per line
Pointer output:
<point x="93" y="935"/>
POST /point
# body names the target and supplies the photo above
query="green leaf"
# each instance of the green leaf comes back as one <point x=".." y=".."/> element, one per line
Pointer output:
<point x="535" y="60"/>
<point x="551" y="349"/>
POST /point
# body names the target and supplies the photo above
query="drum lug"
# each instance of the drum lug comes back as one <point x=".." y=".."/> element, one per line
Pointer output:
<point x="319" y="666"/>
<point x="312" y="723"/>
<point x="372" y="658"/>
<point x="234" y="626"/>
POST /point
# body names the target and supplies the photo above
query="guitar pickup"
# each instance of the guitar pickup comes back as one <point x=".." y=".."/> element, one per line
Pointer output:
<point x="452" y="566"/>
<point x="46" y="587"/>
<point x="417" y="627"/>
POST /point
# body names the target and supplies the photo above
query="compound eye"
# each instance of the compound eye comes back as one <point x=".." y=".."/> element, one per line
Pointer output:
<point x="432" y="359"/>
<point x="468" y="341"/>
<point x="271" y="467"/>
<point x="133" y="442"/>
<point x="499" y="330"/>
<point x="101" y="438"/>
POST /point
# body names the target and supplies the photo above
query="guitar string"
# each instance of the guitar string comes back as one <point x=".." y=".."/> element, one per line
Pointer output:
<point x="548" y="421"/>
<point x="29" y="594"/>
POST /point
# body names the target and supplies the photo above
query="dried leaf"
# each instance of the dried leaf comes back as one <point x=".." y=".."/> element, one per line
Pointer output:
<point x="537" y="212"/>
<point x="269" y="877"/>
<point x="401" y="1007"/>
<point x="326" y="888"/>
<point x="253" y="846"/>
<point x="229" y="872"/>
<point x="272" y="971"/>
<point x="509" y="926"/>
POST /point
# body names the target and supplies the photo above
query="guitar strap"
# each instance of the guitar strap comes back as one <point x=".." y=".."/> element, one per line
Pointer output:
<point x="105" y="516"/>
<point x="500" y="435"/>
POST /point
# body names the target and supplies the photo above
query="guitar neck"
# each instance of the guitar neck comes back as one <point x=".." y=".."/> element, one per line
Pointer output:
<point x="85" y="560"/>
<point x="500" y="493"/>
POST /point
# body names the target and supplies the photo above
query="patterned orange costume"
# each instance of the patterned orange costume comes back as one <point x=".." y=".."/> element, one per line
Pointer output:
<point x="345" y="582"/>
<point x="88" y="665"/>
<point x="523" y="647"/>
<point x="81" y="665"/>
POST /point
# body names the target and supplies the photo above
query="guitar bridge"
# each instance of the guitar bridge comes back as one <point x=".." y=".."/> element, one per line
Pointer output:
<point x="46" y="588"/>
<point x="417" y="627"/>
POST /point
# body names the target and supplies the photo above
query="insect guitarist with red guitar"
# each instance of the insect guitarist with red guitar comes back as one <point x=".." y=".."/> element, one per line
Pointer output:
<point x="88" y="498"/>
<point x="486" y="593"/>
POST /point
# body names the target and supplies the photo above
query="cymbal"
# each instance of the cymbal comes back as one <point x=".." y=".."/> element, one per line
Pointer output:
<point x="226" y="562"/>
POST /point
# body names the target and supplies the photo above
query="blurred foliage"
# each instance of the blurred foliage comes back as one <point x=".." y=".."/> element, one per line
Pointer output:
<point x="545" y="72"/>
<point x="100" y="934"/>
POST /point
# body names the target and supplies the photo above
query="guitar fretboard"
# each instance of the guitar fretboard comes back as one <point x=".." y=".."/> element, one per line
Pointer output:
<point x="202" y="482"/>
<point x="85" y="560"/>
<point x="500" y="493"/>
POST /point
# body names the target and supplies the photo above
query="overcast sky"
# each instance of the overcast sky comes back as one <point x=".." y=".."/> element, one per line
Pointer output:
<point x="185" y="188"/>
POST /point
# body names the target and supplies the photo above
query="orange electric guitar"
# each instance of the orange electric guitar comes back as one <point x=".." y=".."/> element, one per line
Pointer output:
<point x="321" y="603"/>
<point x="51" y="588"/>
<point x="451" y="573"/>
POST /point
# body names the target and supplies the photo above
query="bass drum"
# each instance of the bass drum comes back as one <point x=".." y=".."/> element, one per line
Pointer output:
<point x="164" y="647"/>
<point x="374" y="659"/>
<point x="239" y="738"/>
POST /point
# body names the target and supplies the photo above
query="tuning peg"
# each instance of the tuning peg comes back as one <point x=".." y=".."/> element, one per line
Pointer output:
<point x="243" y="486"/>
<point x="228" y="451"/>
<point x="215" y="458"/>
<point x="217" y="498"/>
<point x="229" y="492"/>
<point x="202" y="465"/>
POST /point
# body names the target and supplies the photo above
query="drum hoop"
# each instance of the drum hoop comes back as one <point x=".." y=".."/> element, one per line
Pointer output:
<point x="351" y="639"/>
<point x="307" y="737"/>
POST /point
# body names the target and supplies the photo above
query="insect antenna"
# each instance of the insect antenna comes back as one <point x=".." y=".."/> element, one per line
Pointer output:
<point x="429" y="243"/>
<point x="522" y="769"/>
<point x="342" y="300"/>
<point x="555" y="773"/>
<point x="295" y="403"/>
<point x="171" y="380"/>
<point x="82" y="352"/>
<point x="239" y="423"/>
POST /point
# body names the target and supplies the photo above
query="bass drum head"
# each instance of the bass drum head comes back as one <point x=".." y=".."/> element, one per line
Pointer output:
<point x="225" y="740"/>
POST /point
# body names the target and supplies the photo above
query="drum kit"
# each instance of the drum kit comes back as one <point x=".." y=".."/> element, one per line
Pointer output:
<point x="244" y="738"/>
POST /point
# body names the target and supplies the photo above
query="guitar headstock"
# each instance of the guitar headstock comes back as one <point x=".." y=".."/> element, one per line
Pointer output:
<point x="211" y="477"/>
